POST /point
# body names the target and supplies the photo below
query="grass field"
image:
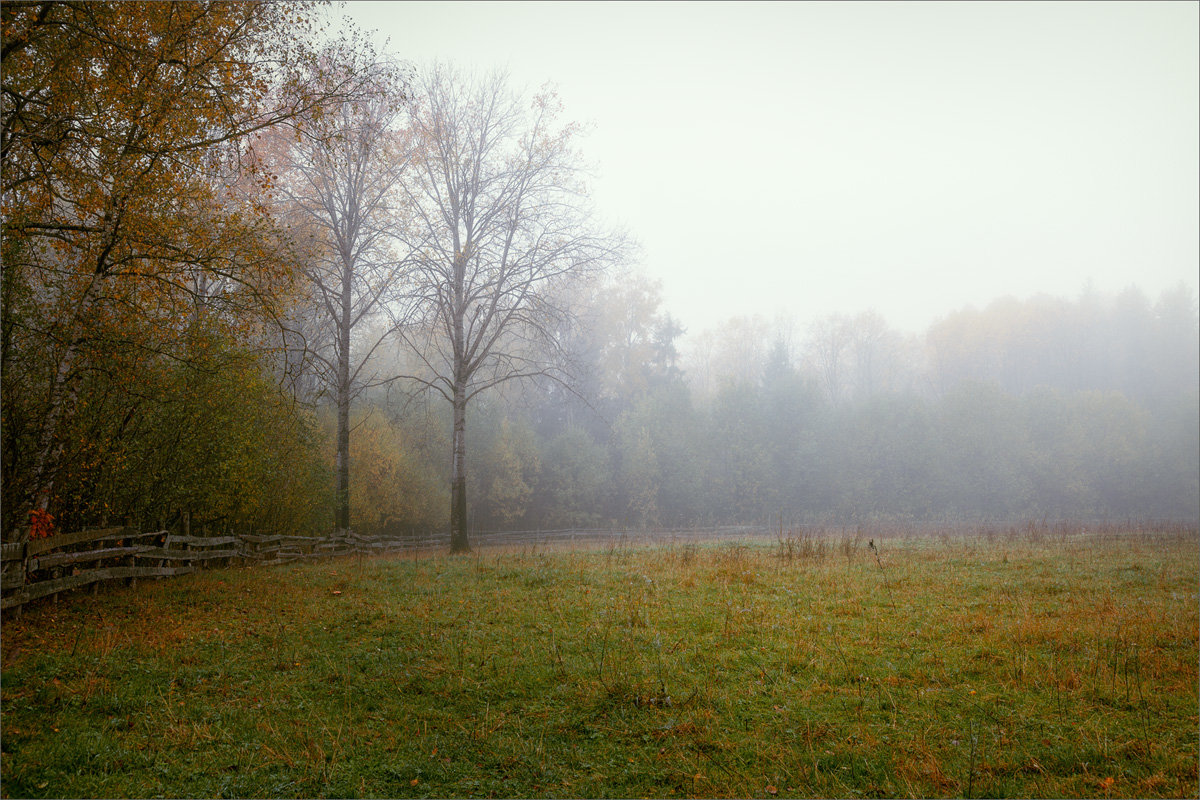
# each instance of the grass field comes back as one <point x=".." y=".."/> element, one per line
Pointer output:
<point x="1018" y="665"/>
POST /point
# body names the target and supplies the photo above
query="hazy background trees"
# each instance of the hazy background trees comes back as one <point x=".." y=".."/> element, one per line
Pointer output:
<point x="1089" y="434"/>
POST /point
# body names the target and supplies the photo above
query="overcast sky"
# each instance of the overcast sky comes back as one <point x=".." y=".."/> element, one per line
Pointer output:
<point x="818" y="158"/>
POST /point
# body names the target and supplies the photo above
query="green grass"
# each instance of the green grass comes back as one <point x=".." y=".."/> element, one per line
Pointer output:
<point x="1019" y="665"/>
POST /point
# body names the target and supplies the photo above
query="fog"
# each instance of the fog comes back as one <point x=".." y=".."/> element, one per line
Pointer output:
<point x="1049" y="409"/>
<point x="808" y="159"/>
<point x="834" y="263"/>
<point x="901" y="261"/>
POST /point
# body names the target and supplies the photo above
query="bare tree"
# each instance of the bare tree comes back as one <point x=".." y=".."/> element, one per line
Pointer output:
<point x="829" y="341"/>
<point x="341" y="178"/>
<point x="501" y="223"/>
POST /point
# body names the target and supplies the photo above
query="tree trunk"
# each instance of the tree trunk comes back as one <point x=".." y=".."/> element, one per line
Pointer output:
<point x="343" y="402"/>
<point x="458" y="476"/>
<point x="343" y="460"/>
<point x="63" y="399"/>
<point x="50" y="445"/>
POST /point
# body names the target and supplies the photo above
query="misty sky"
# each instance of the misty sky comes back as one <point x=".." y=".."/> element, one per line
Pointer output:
<point x="819" y="158"/>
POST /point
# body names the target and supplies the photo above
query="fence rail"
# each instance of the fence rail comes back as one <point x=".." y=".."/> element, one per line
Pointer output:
<point x="42" y="568"/>
<point x="85" y="559"/>
<point x="47" y="567"/>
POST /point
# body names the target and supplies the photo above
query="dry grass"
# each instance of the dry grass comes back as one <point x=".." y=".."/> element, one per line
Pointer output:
<point x="1031" y="662"/>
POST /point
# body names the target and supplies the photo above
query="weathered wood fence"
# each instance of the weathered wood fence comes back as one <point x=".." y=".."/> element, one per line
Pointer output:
<point x="65" y="562"/>
<point x="46" y="567"/>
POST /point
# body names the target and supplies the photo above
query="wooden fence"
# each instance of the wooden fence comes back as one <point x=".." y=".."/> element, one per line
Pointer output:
<point x="65" y="562"/>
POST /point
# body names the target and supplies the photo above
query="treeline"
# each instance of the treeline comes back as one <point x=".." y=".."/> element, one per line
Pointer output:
<point x="204" y="430"/>
<point x="220" y="220"/>
<point x="260" y="276"/>
<point x="754" y="423"/>
<point x="144" y="271"/>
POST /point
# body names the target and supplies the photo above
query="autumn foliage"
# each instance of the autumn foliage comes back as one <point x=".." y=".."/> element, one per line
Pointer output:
<point x="137" y="250"/>
<point x="229" y="243"/>
<point x="41" y="524"/>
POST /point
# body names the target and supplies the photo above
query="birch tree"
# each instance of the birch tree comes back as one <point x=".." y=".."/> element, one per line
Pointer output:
<point x="340" y="180"/>
<point x="501" y="223"/>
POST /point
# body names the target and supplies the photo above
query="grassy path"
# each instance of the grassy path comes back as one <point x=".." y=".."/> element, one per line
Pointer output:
<point x="1011" y="666"/>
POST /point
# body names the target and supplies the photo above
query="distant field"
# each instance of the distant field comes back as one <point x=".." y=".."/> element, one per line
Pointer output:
<point x="1027" y="664"/>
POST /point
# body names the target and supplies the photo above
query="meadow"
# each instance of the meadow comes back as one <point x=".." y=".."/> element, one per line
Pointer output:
<point x="1025" y="664"/>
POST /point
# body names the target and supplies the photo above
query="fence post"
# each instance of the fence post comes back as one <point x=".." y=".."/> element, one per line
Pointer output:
<point x="130" y="560"/>
<point x="24" y="569"/>
<point x="18" y="568"/>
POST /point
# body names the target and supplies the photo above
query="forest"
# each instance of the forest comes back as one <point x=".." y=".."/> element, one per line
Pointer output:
<point x="257" y="274"/>
<point x="1037" y="409"/>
